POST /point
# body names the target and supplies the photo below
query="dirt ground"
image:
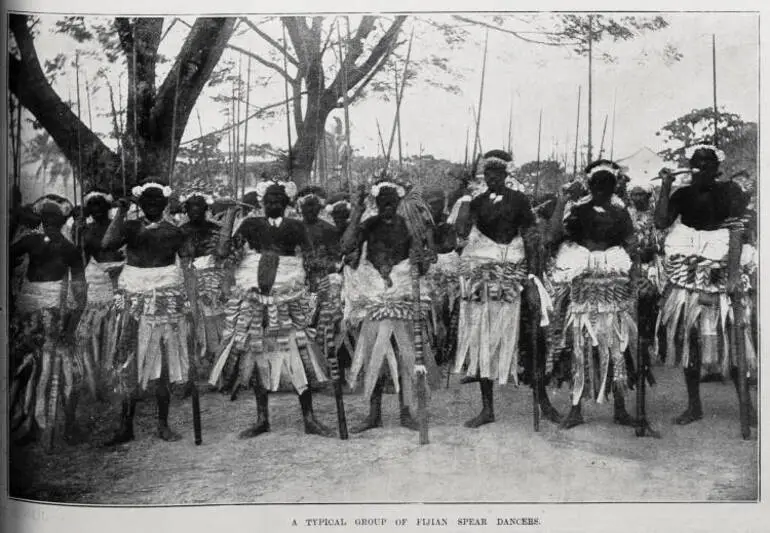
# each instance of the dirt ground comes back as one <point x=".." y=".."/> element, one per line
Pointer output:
<point x="501" y="462"/>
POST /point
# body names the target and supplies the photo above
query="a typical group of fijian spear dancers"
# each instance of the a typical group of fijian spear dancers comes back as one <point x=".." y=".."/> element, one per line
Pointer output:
<point x="584" y="289"/>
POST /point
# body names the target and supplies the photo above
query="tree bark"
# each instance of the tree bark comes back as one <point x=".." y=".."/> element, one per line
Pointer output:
<point x="151" y="111"/>
<point x="322" y="100"/>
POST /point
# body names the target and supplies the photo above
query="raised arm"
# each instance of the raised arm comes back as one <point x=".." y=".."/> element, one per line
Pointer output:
<point x="351" y="239"/>
<point x="115" y="236"/>
<point x="665" y="210"/>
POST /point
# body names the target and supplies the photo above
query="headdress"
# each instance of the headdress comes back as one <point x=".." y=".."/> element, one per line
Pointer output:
<point x="690" y="151"/>
<point x="603" y="165"/>
<point x="97" y="194"/>
<point x="139" y="190"/>
<point x="385" y="184"/>
<point x="338" y="201"/>
<point x="289" y="188"/>
<point x="311" y="192"/>
<point x="63" y="205"/>
<point x="184" y="198"/>
<point x="498" y="159"/>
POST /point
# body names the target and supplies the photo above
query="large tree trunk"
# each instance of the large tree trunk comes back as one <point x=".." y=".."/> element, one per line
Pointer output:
<point x="152" y="112"/>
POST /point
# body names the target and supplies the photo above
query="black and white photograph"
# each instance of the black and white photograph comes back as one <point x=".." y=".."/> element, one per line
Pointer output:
<point x="392" y="257"/>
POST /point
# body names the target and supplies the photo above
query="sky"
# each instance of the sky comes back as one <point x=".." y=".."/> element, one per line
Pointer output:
<point x="645" y="90"/>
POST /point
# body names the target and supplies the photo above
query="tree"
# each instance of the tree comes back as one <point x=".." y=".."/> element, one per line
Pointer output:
<point x="736" y="138"/>
<point x="548" y="174"/>
<point x="156" y="115"/>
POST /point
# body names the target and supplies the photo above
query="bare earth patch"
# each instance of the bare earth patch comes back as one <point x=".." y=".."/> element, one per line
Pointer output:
<point x="501" y="462"/>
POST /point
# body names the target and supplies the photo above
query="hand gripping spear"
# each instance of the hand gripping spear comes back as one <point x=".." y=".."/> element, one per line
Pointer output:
<point x="737" y="345"/>
<point x="643" y="372"/>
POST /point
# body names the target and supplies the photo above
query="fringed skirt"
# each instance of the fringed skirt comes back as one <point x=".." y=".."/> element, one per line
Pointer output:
<point x="491" y="277"/>
<point x="155" y="330"/>
<point x="709" y="316"/>
<point x="268" y="336"/>
<point x="44" y="371"/>
<point x="97" y="332"/>
<point x="599" y="322"/>
<point x="696" y="300"/>
<point x="445" y="296"/>
<point x="385" y="317"/>
<point x="210" y="279"/>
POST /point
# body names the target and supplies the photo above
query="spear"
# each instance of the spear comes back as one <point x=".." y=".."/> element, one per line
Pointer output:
<point x="116" y="131"/>
<point x="133" y="83"/>
<point x="286" y="94"/>
<point x="539" y="132"/>
<point x="577" y="134"/>
<point x="245" y="126"/>
<point x="612" y="137"/>
<point x="379" y="133"/>
<point x="398" y="119"/>
<point x="234" y="141"/>
<point x="467" y="141"/>
<point x="714" y="83"/>
<point x="88" y="105"/>
<point x="399" y="97"/>
<point x="203" y="141"/>
<point x="590" y="84"/>
<point x="344" y="67"/>
<point x="510" y="128"/>
<point x="481" y="97"/>
<point x="604" y="131"/>
<point x="80" y="159"/>
<point x="172" y="141"/>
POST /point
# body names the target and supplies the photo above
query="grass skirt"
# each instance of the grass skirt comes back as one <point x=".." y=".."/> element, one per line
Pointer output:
<point x="268" y="335"/>
<point x="491" y="276"/>
<point x="44" y="371"/>
<point x="154" y="327"/>
<point x="696" y="299"/>
<point x="599" y="321"/>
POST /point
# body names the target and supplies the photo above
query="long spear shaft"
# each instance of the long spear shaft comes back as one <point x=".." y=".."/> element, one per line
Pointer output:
<point x="239" y="93"/>
<point x="117" y="132"/>
<point x="246" y="126"/>
<point x="379" y="133"/>
<point x="510" y="128"/>
<point x="80" y="159"/>
<point x="714" y="82"/>
<point x="577" y="136"/>
<point x="398" y="120"/>
<point x="286" y="94"/>
<point x="172" y="140"/>
<point x="539" y="134"/>
<point x="467" y="142"/>
<point x="604" y="131"/>
<point x="203" y="145"/>
<point x="234" y="141"/>
<point x="590" y="84"/>
<point x="612" y="137"/>
<point x="399" y="98"/>
<point x="344" y="67"/>
<point x="477" y="140"/>
<point x="133" y="83"/>
<point x="481" y="97"/>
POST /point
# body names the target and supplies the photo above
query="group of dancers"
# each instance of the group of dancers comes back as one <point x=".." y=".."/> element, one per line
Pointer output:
<point x="377" y="288"/>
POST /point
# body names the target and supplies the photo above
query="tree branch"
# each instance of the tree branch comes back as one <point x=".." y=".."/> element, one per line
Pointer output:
<point x="30" y="85"/>
<point x="515" y="34"/>
<point x="297" y="37"/>
<point x="231" y="126"/>
<point x="283" y="49"/>
<point x="383" y="47"/>
<point x="265" y="62"/>
<point x="191" y="71"/>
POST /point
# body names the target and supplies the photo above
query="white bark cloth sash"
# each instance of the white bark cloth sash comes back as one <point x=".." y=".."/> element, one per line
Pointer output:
<point x="44" y="370"/>
<point x="600" y="316"/>
<point x="155" y="298"/>
<point x="386" y="316"/>
<point x="269" y="332"/>
<point x="491" y="277"/>
<point x="696" y="298"/>
<point x="100" y="286"/>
